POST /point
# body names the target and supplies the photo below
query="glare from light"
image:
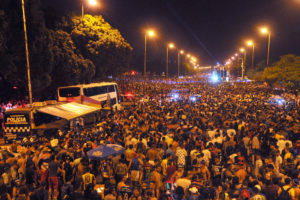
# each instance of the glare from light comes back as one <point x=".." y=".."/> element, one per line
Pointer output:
<point x="214" y="77"/>
<point x="175" y="96"/>
<point x="151" y="33"/>
<point x="181" y="52"/>
<point x="264" y="30"/>
<point x="232" y="58"/>
<point x="250" y="43"/>
<point x="236" y="54"/>
<point x="93" y="2"/>
<point x="242" y="50"/>
<point x="280" y="101"/>
<point x="193" y="99"/>
<point x="188" y="55"/>
<point x="171" y="45"/>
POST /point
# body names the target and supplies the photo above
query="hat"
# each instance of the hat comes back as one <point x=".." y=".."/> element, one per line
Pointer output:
<point x="258" y="187"/>
<point x="193" y="190"/>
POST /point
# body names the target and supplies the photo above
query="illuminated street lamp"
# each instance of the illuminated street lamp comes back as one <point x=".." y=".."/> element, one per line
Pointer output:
<point x="236" y="55"/>
<point x="242" y="50"/>
<point x="265" y="31"/>
<point x="171" y="46"/>
<point x="91" y="2"/>
<point x="149" y="33"/>
<point x="179" y="52"/>
<point x="251" y="44"/>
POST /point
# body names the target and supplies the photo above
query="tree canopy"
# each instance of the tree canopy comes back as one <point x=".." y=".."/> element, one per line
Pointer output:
<point x="285" y="72"/>
<point x="72" y="52"/>
<point x="99" y="42"/>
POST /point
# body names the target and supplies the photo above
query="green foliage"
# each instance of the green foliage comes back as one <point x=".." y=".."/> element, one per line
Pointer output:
<point x="13" y="54"/>
<point x="70" y="66"/>
<point x="73" y="54"/>
<point x="100" y="43"/>
<point x="285" y="72"/>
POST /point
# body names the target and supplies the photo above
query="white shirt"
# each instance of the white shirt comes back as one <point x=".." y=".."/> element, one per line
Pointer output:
<point x="281" y="144"/>
<point x="278" y="162"/>
<point x="258" y="164"/>
<point x="211" y="134"/>
<point x="255" y="143"/>
<point x="207" y="156"/>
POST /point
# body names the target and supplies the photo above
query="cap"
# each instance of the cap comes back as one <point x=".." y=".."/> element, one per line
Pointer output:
<point x="258" y="187"/>
<point x="193" y="190"/>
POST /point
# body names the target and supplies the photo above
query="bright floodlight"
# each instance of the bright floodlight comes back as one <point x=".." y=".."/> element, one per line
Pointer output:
<point x="151" y="33"/>
<point x="242" y="50"/>
<point x="214" y="77"/>
<point x="264" y="30"/>
<point x="93" y="2"/>
<point x="171" y="45"/>
<point x="193" y="98"/>
<point x="250" y="43"/>
<point x="181" y="52"/>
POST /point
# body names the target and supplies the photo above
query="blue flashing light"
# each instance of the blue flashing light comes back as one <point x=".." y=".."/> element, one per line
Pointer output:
<point x="193" y="99"/>
<point x="214" y="78"/>
<point x="175" y="96"/>
<point x="280" y="101"/>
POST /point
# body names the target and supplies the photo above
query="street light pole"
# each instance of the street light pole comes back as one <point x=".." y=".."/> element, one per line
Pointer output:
<point x="242" y="68"/>
<point x="253" y="57"/>
<point x="27" y="54"/>
<point x="268" y="58"/>
<point x="265" y="31"/>
<point x="145" y="56"/>
<point x="167" y="62"/>
<point x="178" y="63"/>
<point x="245" y="57"/>
<point x="82" y="11"/>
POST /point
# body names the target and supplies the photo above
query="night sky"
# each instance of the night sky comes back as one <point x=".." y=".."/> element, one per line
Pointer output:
<point x="210" y="29"/>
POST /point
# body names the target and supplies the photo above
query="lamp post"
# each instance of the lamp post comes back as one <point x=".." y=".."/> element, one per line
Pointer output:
<point x="91" y="2"/>
<point x="150" y="33"/>
<point x="265" y="31"/>
<point x="171" y="46"/>
<point x="27" y="55"/>
<point x="179" y="52"/>
<point x="243" y="62"/>
<point x="251" y="43"/>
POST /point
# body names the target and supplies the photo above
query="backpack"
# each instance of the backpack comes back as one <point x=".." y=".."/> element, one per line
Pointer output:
<point x="245" y="193"/>
<point x="284" y="195"/>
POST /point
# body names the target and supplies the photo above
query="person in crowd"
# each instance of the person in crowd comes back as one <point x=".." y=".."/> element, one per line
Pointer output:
<point x="232" y="143"/>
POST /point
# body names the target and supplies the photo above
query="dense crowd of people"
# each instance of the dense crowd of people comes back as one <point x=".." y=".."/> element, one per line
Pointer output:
<point x="232" y="143"/>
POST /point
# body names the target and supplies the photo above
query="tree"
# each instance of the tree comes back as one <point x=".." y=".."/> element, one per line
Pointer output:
<point x="13" y="60"/>
<point x="99" y="42"/>
<point x="69" y="66"/>
<point x="285" y="72"/>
